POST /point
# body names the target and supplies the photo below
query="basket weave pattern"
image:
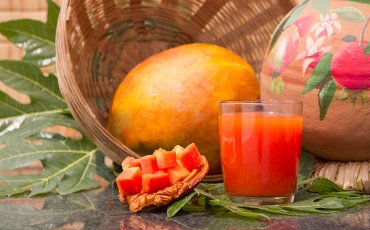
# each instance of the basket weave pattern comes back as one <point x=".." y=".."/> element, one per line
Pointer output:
<point x="100" y="41"/>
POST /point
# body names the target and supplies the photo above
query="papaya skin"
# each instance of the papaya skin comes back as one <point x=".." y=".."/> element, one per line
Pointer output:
<point x="172" y="98"/>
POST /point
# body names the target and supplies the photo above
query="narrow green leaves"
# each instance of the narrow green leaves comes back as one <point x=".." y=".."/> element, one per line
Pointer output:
<point x="176" y="206"/>
<point x="329" y="198"/>
<point x="325" y="186"/>
<point x="321" y="70"/>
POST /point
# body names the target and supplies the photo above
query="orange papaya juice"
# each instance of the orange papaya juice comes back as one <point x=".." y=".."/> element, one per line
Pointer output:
<point x="260" y="153"/>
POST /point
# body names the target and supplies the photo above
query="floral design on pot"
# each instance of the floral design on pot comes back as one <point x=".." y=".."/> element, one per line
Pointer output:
<point x="320" y="53"/>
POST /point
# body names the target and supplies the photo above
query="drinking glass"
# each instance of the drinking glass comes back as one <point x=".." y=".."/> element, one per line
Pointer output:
<point x="260" y="149"/>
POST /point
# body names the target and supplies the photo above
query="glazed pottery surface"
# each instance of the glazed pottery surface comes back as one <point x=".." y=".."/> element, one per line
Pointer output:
<point x="320" y="55"/>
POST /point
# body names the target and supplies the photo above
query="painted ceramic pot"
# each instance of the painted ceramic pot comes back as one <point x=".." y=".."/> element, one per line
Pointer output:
<point x="320" y="54"/>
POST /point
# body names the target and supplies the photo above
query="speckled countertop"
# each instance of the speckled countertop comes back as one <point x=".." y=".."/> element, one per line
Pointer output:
<point x="101" y="209"/>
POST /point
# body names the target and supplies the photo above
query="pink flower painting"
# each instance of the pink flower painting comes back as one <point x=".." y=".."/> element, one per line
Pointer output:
<point x="326" y="25"/>
<point x="312" y="54"/>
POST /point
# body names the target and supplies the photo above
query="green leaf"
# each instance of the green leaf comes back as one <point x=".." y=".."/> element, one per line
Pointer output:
<point x="324" y="185"/>
<point x="350" y="14"/>
<point x="321" y="5"/>
<point x="102" y="169"/>
<point x="349" y="38"/>
<point x="305" y="181"/>
<point x="35" y="37"/>
<point x="326" y="95"/>
<point x="227" y="204"/>
<point x="305" y="164"/>
<point x="29" y="80"/>
<point x="322" y="206"/>
<point x="367" y="49"/>
<point x="176" y="206"/>
<point x="332" y="200"/>
<point x="239" y="211"/>
<point x="295" y="14"/>
<point x="321" y="70"/>
<point x="69" y="166"/>
<point x="28" y="126"/>
<point x="52" y="17"/>
<point x="360" y="1"/>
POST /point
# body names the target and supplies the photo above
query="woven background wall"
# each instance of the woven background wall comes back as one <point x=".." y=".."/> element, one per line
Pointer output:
<point x="18" y="9"/>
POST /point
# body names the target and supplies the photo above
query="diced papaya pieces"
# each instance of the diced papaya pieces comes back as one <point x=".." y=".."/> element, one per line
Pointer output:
<point x="152" y="173"/>
<point x="148" y="164"/>
<point x="129" y="182"/>
<point x="165" y="159"/>
<point x="130" y="162"/>
<point x="178" y="149"/>
<point x="153" y="182"/>
<point x="190" y="158"/>
<point x="177" y="173"/>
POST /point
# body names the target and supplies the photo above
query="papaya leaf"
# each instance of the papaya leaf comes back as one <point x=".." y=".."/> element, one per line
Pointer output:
<point x="69" y="166"/>
<point x="367" y="49"/>
<point x="349" y="38"/>
<point x="35" y="37"/>
<point x="44" y="94"/>
<point x="321" y="5"/>
<point x="52" y="16"/>
<point x="27" y="126"/>
<point x="360" y="1"/>
<point x="326" y="95"/>
<point x="350" y="14"/>
<point x="321" y="70"/>
<point x="295" y="13"/>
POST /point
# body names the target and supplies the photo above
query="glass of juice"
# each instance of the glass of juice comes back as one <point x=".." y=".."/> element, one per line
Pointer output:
<point x="260" y="149"/>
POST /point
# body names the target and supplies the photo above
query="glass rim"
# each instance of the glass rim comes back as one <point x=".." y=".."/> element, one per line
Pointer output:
<point x="260" y="101"/>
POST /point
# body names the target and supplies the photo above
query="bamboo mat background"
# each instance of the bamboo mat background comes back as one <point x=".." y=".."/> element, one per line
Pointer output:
<point x="19" y="9"/>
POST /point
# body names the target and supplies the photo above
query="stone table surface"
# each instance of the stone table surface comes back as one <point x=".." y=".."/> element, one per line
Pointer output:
<point x="100" y="209"/>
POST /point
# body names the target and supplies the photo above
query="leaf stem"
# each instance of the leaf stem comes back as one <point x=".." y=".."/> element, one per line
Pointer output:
<point x="363" y="31"/>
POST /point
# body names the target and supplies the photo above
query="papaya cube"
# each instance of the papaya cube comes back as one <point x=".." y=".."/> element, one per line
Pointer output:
<point x="190" y="158"/>
<point x="129" y="182"/>
<point x="153" y="182"/>
<point x="177" y="173"/>
<point x="178" y="149"/>
<point x="165" y="159"/>
<point x="148" y="164"/>
<point x="130" y="162"/>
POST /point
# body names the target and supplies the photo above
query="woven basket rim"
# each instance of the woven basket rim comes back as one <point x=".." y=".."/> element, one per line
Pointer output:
<point x="64" y="69"/>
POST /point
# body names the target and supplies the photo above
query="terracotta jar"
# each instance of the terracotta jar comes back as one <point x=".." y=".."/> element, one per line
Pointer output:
<point x="320" y="54"/>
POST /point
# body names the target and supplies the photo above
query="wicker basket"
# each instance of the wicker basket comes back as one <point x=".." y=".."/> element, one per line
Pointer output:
<point x="99" y="41"/>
